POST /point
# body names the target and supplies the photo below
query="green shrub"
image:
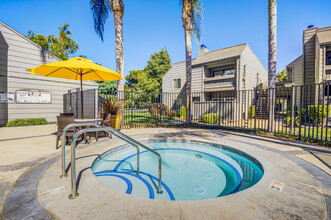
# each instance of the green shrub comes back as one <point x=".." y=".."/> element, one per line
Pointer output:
<point x="182" y="112"/>
<point x="296" y="120"/>
<point x="279" y="102"/>
<point x="26" y="122"/>
<point x="156" y="108"/>
<point x="317" y="113"/>
<point x="210" y="118"/>
<point x="251" y="111"/>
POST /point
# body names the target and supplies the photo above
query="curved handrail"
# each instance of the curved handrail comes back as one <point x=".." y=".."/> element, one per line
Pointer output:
<point x="121" y="136"/>
<point x="63" y="166"/>
<point x="64" y="131"/>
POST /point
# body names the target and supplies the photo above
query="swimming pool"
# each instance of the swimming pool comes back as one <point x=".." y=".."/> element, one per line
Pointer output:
<point x="191" y="170"/>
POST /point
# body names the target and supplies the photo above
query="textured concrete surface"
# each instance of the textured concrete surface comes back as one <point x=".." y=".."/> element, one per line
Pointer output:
<point x="22" y="202"/>
<point x="302" y="191"/>
<point x="303" y="196"/>
<point x="26" y="131"/>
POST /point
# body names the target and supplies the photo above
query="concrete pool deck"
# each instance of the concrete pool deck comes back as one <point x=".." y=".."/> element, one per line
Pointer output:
<point x="304" y="196"/>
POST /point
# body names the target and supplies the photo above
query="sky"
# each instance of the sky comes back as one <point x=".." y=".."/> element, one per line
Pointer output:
<point x="150" y="25"/>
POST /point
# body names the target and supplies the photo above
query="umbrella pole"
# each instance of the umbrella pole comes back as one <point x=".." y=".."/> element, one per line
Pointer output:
<point x="81" y="94"/>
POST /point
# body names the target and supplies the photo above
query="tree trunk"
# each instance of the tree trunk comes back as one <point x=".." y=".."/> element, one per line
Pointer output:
<point x="272" y="58"/>
<point x="119" y="48"/>
<point x="188" y="47"/>
<point x="118" y="10"/>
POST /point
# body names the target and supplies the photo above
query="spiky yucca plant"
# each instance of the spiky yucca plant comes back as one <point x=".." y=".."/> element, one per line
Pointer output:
<point x="111" y="105"/>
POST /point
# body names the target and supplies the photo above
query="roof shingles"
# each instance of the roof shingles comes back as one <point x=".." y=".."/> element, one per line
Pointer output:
<point x="220" y="54"/>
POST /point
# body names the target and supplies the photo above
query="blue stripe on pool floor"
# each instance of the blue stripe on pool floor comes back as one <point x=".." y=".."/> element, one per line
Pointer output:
<point x="171" y="195"/>
<point x="150" y="189"/>
<point x="128" y="182"/>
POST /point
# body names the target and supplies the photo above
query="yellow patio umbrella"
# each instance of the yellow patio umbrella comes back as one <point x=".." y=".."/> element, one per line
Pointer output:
<point x="77" y="68"/>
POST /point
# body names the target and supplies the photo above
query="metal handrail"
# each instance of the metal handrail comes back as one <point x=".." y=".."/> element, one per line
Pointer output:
<point x="121" y="136"/>
<point x="64" y="131"/>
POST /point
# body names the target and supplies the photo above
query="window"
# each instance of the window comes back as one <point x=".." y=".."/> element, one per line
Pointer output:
<point x="327" y="90"/>
<point x="177" y="83"/>
<point x="228" y="72"/>
<point x="196" y="99"/>
<point x="328" y="58"/>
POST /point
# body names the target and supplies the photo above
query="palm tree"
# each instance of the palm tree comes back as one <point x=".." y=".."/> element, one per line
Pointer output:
<point x="100" y="9"/>
<point x="272" y="58"/>
<point x="192" y="17"/>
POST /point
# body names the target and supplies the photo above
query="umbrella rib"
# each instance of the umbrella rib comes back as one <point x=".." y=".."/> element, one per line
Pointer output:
<point x="92" y="70"/>
<point x="97" y="75"/>
<point x="54" y="71"/>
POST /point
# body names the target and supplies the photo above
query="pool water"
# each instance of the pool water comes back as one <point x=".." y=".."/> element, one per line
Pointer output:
<point x="191" y="170"/>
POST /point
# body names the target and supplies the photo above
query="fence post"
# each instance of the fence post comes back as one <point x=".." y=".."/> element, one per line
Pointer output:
<point x="219" y="110"/>
<point x="255" y="94"/>
<point x="131" y="122"/>
<point x="300" y="120"/>
<point x="160" y="110"/>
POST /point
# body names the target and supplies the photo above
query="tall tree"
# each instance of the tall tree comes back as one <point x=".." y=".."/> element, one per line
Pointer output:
<point x="150" y="78"/>
<point x="192" y="20"/>
<point x="282" y="76"/>
<point x="100" y="10"/>
<point x="272" y="58"/>
<point x="61" y="46"/>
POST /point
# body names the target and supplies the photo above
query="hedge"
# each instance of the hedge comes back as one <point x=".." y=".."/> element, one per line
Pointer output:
<point x="26" y="122"/>
<point x="210" y="118"/>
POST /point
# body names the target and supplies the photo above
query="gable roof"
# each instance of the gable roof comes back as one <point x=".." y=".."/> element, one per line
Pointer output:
<point x="30" y="41"/>
<point x="220" y="54"/>
<point x="294" y="61"/>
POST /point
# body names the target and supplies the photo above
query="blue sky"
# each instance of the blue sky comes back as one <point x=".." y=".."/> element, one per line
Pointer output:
<point x="152" y="24"/>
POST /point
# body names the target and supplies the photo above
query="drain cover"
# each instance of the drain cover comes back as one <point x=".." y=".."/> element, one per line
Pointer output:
<point x="198" y="156"/>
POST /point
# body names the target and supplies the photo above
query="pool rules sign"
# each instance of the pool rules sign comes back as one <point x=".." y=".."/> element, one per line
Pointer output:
<point x="33" y="96"/>
<point x="276" y="185"/>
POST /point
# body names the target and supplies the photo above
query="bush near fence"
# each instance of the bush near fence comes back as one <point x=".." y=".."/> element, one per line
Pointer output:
<point x="182" y="112"/>
<point x="26" y="122"/>
<point x="156" y="109"/>
<point x="210" y="118"/>
<point x="319" y="113"/>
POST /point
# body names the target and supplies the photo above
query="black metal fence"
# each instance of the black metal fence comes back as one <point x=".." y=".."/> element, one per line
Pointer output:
<point x="301" y="111"/>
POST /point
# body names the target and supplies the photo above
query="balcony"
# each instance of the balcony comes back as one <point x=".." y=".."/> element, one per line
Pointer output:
<point x="218" y="78"/>
<point x="223" y="83"/>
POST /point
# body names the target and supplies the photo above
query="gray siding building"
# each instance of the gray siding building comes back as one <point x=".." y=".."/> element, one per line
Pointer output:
<point x="313" y="67"/>
<point x="18" y="53"/>
<point x="216" y="75"/>
<point x="229" y="69"/>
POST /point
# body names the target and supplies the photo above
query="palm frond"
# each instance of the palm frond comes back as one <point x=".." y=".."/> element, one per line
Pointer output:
<point x="197" y="20"/>
<point x="197" y="17"/>
<point x="100" y="10"/>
